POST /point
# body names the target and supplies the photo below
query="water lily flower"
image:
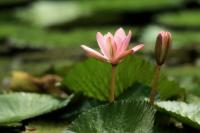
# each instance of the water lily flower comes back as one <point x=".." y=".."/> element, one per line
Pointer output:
<point x="113" y="48"/>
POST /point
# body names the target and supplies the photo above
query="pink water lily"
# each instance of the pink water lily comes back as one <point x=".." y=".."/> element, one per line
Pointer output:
<point x="113" y="48"/>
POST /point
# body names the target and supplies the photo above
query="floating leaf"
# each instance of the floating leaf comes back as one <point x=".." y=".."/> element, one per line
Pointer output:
<point x="16" y="107"/>
<point x="136" y="91"/>
<point x="29" y="36"/>
<point x="118" y="117"/>
<point x="92" y="78"/>
<point x="130" y="5"/>
<point x="80" y="105"/>
<point x="41" y="126"/>
<point x="180" y="38"/>
<point x="188" y="77"/>
<point x="187" y="18"/>
<point x="47" y="13"/>
<point x="186" y="113"/>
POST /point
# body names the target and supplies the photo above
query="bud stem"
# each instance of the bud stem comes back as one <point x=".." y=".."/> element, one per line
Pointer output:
<point x="155" y="84"/>
<point x="112" y="85"/>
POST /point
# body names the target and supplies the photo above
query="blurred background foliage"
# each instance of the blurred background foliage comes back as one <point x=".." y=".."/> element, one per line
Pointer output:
<point x="38" y="36"/>
<point x="42" y="37"/>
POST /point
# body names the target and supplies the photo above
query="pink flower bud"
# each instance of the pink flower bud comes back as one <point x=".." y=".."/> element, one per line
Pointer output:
<point x="163" y="44"/>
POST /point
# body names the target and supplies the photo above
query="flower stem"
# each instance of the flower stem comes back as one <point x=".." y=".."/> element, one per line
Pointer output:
<point x="155" y="84"/>
<point x="112" y="85"/>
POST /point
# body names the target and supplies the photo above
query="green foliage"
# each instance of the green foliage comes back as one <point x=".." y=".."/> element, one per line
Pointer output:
<point x="188" y="77"/>
<point x="179" y="38"/>
<point x="16" y="107"/>
<point x="6" y="2"/>
<point x="28" y="36"/>
<point x="186" y="113"/>
<point x="92" y="78"/>
<point x="187" y="18"/>
<point x="47" y="13"/>
<point x="192" y="99"/>
<point x="128" y="5"/>
<point x="136" y="91"/>
<point x="46" y="126"/>
<point x="118" y="117"/>
<point x="183" y="38"/>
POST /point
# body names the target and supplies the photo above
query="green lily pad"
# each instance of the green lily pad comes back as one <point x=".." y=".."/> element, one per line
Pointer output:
<point x="186" y="113"/>
<point x="92" y="78"/>
<point x="41" y="126"/>
<point x="179" y="38"/>
<point x="187" y="18"/>
<point x="16" y="107"/>
<point x="188" y="77"/>
<point x="130" y="5"/>
<point x="29" y="36"/>
<point x="47" y="13"/>
<point x="118" y="117"/>
<point x="136" y="91"/>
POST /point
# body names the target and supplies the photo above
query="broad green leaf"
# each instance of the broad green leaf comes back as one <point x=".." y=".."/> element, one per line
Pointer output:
<point x="29" y="36"/>
<point x="118" y="117"/>
<point x="92" y="78"/>
<point x="165" y="124"/>
<point x="16" y="107"/>
<point x="185" y="70"/>
<point x="188" y="77"/>
<point x="186" y="18"/>
<point x="78" y="106"/>
<point x="47" y="13"/>
<point x="129" y="5"/>
<point x="136" y="91"/>
<point x="186" y="113"/>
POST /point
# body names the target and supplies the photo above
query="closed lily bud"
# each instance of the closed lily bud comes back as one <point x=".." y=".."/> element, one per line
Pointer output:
<point x="163" y="44"/>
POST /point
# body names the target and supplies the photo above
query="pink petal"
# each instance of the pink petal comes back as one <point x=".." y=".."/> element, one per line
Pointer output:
<point x="108" y="35"/>
<point x="109" y="47"/>
<point x="123" y="55"/>
<point x="119" y="37"/>
<point x="113" y="43"/>
<point x="110" y="44"/>
<point x="93" y="53"/>
<point x="120" y="33"/>
<point x="118" y="42"/>
<point x="101" y="43"/>
<point x="138" y="47"/>
<point x="125" y="42"/>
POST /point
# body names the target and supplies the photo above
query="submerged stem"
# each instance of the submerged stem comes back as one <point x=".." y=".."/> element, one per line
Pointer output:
<point x="112" y="85"/>
<point x="155" y="84"/>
